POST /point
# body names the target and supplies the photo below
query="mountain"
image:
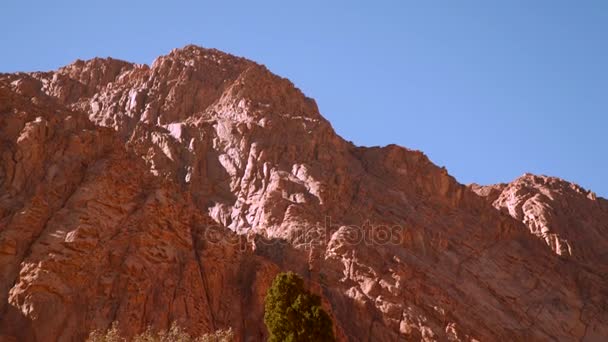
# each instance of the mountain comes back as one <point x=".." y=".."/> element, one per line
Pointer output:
<point x="571" y="220"/>
<point x="175" y="192"/>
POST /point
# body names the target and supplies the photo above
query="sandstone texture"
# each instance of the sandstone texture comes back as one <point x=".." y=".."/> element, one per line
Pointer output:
<point x="175" y="192"/>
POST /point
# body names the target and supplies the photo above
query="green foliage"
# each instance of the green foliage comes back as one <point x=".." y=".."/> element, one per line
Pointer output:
<point x="294" y="314"/>
<point x="174" y="334"/>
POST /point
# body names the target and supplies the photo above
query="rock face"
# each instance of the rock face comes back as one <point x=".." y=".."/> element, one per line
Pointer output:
<point x="571" y="220"/>
<point x="176" y="191"/>
<point x="89" y="235"/>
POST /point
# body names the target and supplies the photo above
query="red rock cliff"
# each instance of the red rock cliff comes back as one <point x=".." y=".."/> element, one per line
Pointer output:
<point x="174" y="192"/>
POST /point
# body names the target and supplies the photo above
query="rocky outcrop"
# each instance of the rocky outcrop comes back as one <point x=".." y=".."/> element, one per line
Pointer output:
<point x="90" y="236"/>
<point x="118" y="213"/>
<point x="571" y="220"/>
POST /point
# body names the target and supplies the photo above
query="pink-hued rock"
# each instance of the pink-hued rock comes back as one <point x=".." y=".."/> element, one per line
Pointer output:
<point x="571" y="220"/>
<point x="175" y="192"/>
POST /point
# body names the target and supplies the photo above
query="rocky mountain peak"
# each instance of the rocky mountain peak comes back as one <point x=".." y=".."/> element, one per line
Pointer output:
<point x="573" y="221"/>
<point x="174" y="192"/>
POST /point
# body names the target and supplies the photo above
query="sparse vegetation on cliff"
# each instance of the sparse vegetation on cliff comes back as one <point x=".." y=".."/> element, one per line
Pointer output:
<point x="174" y="334"/>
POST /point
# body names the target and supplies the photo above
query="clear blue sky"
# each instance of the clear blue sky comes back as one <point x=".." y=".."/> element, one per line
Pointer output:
<point x="489" y="89"/>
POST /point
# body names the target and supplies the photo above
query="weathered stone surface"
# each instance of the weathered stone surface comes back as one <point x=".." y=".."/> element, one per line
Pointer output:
<point x="571" y="220"/>
<point x="89" y="235"/>
<point x="117" y="213"/>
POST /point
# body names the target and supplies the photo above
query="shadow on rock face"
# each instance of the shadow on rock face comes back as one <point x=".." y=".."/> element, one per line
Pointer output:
<point x="15" y="327"/>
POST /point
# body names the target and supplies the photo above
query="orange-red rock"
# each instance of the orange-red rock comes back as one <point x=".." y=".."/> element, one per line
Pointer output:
<point x="117" y="181"/>
<point x="572" y="221"/>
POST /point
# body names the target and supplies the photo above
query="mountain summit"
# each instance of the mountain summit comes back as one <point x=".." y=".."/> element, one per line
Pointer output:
<point x="146" y="195"/>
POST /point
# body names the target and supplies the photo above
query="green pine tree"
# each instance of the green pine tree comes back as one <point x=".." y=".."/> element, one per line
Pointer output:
<point x="294" y="314"/>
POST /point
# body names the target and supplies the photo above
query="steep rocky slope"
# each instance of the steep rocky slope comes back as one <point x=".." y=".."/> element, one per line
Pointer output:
<point x="89" y="235"/>
<point x="118" y="180"/>
<point x="571" y="220"/>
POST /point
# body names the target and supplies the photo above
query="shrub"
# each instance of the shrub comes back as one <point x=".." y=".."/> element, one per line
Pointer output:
<point x="110" y="335"/>
<point x="294" y="314"/>
<point x="174" y="334"/>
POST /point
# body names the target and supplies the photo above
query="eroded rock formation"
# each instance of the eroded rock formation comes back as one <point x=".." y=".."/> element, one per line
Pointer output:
<point x="571" y="220"/>
<point x="174" y="192"/>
